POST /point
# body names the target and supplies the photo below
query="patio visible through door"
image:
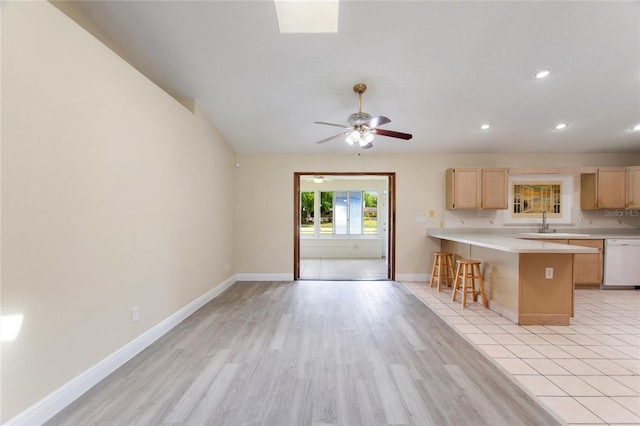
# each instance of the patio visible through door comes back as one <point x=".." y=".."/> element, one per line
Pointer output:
<point x="344" y="226"/>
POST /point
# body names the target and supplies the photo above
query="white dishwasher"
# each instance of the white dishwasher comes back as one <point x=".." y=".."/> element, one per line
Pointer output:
<point x="621" y="263"/>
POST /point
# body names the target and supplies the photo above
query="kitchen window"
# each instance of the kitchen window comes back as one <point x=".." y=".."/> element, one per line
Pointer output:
<point x="531" y="194"/>
<point x="530" y="199"/>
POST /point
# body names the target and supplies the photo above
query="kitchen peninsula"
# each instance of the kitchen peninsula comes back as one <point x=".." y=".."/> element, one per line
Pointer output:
<point x="529" y="282"/>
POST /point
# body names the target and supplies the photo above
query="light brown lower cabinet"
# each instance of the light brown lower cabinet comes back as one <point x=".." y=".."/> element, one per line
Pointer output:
<point x="516" y="285"/>
<point x="587" y="268"/>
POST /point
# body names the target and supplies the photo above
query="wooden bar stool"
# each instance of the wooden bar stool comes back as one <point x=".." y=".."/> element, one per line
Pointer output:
<point x="467" y="271"/>
<point x="442" y="268"/>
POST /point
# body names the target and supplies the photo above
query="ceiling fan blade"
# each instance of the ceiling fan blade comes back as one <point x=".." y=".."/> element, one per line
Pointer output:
<point x="332" y="137"/>
<point x="367" y="146"/>
<point x="392" y="134"/>
<point x="332" y="124"/>
<point x="377" y="121"/>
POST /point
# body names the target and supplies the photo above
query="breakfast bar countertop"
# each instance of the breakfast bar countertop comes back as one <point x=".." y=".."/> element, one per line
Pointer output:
<point x="507" y="243"/>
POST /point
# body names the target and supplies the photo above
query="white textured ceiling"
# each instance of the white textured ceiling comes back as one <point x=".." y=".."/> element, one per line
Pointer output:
<point x="436" y="69"/>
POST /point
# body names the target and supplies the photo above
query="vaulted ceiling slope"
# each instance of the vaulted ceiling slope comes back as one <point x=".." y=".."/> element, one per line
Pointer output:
<point x="438" y="70"/>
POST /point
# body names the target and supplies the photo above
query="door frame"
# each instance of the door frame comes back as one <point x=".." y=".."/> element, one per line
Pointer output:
<point x="391" y="217"/>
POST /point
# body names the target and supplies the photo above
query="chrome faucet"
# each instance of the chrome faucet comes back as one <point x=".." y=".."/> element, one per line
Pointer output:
<point x="545" y="226"/>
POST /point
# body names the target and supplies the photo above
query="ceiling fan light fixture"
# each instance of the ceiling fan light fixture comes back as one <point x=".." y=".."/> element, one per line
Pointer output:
<point x="367" y="137"/>
<point x="358" y="118"/>
<point x="351" y="140"/>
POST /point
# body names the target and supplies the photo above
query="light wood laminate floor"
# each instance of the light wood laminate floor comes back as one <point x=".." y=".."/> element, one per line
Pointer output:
<point x="305" y="353"/>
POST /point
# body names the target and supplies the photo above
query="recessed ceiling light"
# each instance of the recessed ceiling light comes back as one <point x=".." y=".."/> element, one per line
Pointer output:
<point x="636" y="128"/>
<point x="485" y="126"/>
<point x="560" y="126"/>
<point x="542" y="73"/>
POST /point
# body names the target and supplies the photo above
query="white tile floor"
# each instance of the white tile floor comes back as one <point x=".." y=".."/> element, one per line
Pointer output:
<point x="587" y="372"/>
<point x="343" y="269"/>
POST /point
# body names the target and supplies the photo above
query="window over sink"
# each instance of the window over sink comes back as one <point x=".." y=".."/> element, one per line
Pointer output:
<point x="530" y="199"/>
<point x="532" y="194"/>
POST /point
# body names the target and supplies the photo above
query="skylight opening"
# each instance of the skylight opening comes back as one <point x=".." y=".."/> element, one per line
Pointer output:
<point x="307" y="16"/>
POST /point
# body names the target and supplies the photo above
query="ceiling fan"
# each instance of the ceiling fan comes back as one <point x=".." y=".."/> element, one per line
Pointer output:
<point x="362" y="127"/>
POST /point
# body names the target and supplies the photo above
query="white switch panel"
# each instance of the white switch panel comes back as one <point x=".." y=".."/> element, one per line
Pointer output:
<point x="135" y="314"/>
<point x="548" y="272"/>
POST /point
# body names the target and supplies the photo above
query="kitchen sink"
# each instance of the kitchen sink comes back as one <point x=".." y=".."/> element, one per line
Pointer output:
<point x="554" y="234"/>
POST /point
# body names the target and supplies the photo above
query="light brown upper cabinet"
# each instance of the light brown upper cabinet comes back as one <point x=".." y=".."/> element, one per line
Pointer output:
<point x="607" y="188"/>
<point x="464" y="188"/>
<point x="474" y="188"/>
<point x="494" y="188"/>
<point x="633" y="186"/>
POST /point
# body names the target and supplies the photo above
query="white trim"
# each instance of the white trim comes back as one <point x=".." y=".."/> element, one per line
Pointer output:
<point x="413" y="277"/>
<point x="53" y="403"/>
<point x="284" y="276"/>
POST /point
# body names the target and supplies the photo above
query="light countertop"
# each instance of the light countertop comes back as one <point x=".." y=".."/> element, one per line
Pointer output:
<point x="586" y="235"/>
<point x="509" y="243"/>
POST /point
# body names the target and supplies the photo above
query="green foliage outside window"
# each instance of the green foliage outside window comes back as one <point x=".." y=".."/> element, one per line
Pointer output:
<point x="308" y="216"/>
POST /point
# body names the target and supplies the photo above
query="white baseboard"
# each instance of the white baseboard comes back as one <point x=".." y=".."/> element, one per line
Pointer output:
<point x="413" y="277"/>
<point x="264" y="277"/>
<point x="289" y="277"/>
<point x="53" y="403"/>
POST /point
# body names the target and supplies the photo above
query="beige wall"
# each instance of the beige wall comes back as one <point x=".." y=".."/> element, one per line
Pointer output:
<point x="266" y="245"/>
<point x="113" y="195"/>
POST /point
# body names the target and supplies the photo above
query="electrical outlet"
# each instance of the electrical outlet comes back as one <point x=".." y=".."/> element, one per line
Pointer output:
<point x="135" y="314"/>
<point x="548" y="273"/>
